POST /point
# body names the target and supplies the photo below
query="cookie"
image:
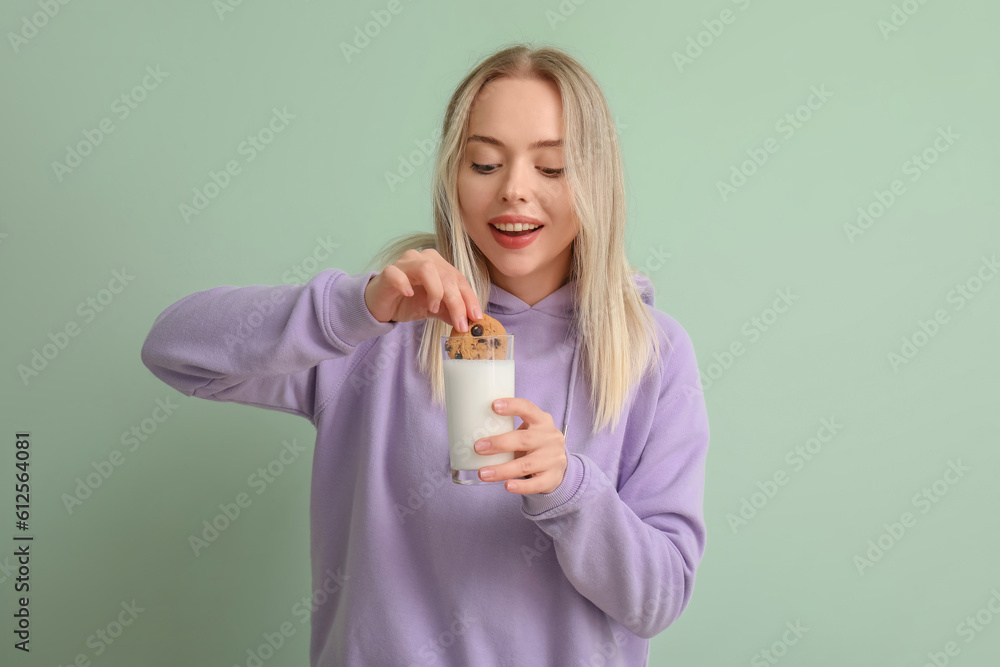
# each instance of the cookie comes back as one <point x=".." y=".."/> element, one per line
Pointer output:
<point x="471" y="344"/>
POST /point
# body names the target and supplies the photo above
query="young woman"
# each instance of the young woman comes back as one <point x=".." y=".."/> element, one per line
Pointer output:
<point x="589" y="545"/>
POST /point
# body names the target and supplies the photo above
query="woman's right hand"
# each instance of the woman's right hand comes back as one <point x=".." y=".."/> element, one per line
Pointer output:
<point x="416" y="286"/>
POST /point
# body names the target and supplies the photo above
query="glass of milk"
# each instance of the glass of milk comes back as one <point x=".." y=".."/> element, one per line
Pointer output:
<point x="471" y="385"/>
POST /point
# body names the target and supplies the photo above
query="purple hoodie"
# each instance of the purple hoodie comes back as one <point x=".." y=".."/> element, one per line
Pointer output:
<point x="419" y="570"/>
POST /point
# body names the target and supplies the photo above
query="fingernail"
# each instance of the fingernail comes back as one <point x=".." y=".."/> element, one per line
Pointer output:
<point x="463" y="325"/>
<point x="486" y="473"/>
<point x="478" y="314"/>
<point x="482" y="446"/>
<point x="499" y="404"/>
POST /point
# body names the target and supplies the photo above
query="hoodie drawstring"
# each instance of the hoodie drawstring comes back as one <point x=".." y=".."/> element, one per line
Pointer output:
<point x="572" y="384"/>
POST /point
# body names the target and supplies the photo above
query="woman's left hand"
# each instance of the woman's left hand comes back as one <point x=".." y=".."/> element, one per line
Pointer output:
<point x="539" y="449"/>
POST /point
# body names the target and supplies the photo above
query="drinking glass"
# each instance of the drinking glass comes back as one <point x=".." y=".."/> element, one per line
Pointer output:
<point x="477" y="370"/>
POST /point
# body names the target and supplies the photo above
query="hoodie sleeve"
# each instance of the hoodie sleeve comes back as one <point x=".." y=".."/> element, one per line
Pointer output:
<point x="633" y="552"/>
<point x="261" y="345"/>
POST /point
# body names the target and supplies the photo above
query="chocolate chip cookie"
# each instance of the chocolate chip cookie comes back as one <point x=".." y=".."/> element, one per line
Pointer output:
<point x="475" y="343"/>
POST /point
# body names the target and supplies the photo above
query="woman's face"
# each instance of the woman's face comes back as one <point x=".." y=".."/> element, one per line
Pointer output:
<point x="503" y="174"/>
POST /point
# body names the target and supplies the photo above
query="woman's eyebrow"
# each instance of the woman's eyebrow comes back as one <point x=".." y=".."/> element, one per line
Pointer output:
<point x="544" y="143"/>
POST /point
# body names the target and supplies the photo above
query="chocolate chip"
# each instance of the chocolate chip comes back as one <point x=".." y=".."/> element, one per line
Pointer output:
<point x="458" y="355"/>
<point x="477" y="330"/>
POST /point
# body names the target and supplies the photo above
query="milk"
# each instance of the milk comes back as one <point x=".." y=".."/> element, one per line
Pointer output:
<point x="471" y="386"/>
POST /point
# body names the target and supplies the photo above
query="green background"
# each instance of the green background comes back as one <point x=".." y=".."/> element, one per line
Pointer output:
<point x="683" y="130"/>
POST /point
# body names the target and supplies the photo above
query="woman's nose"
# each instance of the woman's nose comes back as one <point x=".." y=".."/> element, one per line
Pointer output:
<point x="515" y="183"/>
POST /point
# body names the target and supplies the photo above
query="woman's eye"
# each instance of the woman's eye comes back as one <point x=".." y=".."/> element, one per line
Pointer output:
<point x="481" y="167"/>
<point x="487" y="169"/>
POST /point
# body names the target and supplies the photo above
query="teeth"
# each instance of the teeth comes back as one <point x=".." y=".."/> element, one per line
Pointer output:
<point x="516" y="227"/>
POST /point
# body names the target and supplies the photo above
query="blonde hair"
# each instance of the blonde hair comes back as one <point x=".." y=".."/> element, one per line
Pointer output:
<point x="617" y="334"/>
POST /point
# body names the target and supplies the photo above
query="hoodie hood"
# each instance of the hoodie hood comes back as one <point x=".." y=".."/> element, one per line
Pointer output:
<point x="560" y="303"/>
<point x="645" y="288"/>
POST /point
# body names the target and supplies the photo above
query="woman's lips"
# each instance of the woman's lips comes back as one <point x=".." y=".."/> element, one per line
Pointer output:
<point x="514" y="242"/>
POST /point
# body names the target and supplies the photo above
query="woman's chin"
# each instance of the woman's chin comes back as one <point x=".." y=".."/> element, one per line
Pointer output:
<point x="514" y="269"/>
